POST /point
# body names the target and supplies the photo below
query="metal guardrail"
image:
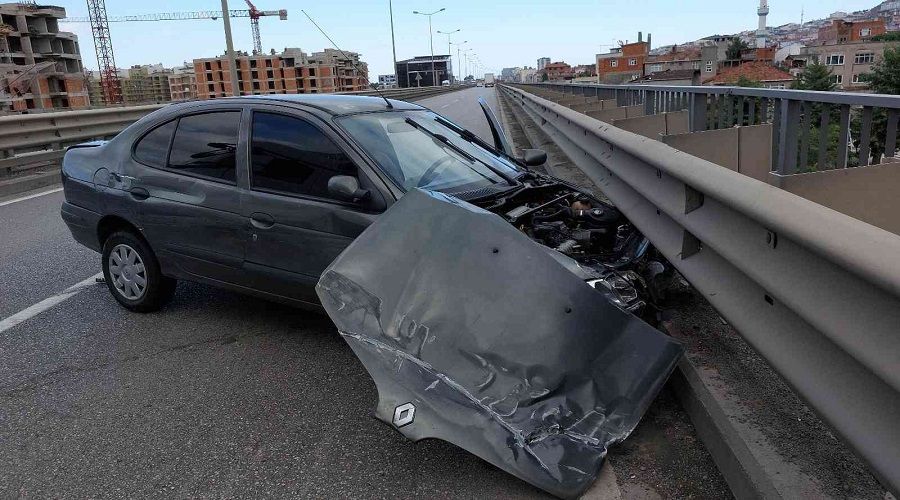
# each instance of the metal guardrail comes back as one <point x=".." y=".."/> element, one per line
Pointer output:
<point x="811" y="130"/>
<point x="35" y="140"/>
<point x="815" y="292"/>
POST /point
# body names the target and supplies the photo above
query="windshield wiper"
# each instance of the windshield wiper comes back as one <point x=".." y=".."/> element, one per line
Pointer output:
<point x="443" y="140"/>
<point x="468" y="137"/>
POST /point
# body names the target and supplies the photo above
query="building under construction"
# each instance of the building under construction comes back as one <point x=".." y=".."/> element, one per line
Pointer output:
<point x="40" y="66"/>
<point x="291" y="72"/>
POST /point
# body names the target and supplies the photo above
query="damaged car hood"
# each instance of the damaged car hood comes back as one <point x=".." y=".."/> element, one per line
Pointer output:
<point x="476" y="335"/>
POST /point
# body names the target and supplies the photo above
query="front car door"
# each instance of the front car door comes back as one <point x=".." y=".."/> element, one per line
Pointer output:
<point x="183" y="180"/>
<point x="296" y="227"/>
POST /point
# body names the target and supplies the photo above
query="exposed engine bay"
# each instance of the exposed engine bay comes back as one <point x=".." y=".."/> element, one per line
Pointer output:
<point x="610" y="253"/>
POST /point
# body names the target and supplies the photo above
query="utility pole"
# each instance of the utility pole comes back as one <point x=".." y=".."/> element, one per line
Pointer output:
<point x="431" y="41"/>
<point x="393" y="44"/>
<point x="229" y="46"/>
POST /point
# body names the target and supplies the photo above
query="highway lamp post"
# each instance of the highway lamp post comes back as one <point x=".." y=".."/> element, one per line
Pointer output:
<point x="449" y="57"/>
<point x="465" y="54"/>
<point x="431" y="41"/>
<point x="229" y="47"/>
<point x="393" y="43"/>
<point x="458" y="60"/>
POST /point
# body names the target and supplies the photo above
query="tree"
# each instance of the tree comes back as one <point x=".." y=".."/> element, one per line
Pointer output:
<point x="544" y="77"/>
<point x="735" y="48"/>
<point x="743" y="81"/>
<point x="891" y="36"/>
<point x="885" y="75"/>
<point x="815" y="76"/>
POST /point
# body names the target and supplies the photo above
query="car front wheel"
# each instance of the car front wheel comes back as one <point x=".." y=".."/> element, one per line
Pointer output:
<point x="132" y="273"/>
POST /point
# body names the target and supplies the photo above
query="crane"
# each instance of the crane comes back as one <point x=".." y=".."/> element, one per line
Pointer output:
<point x="253" y="13"/>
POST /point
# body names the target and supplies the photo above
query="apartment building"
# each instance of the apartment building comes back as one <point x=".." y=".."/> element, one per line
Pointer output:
<point x="623" y="64"/>
<point x="840" y="31"/>
<point x="183" y="83"/>
<point x="847" y="61"/>
<point x="40" y="66"/>
<point x="542" y="62"/>
<point x="141" y="84"/>
<point x="556" y="71"/>
<point x="291" y="72"/>
<point x="673" y="60"/>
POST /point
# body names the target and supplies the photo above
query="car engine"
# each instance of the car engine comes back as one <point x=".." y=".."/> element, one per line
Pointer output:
<point x="611" y="255"/>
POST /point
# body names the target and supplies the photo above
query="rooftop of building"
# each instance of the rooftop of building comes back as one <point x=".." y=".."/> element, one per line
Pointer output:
<point x="676" y="55"/>
<point x="757" y="71"/>
<point x="336" y="104"/>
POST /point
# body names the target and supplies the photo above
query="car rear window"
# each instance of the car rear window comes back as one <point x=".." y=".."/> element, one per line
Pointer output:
<point x="205" y="145"/>
<point x="153" y="148"/>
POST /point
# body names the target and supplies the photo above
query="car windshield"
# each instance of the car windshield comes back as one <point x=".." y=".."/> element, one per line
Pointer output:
<point x="417" y="151"/>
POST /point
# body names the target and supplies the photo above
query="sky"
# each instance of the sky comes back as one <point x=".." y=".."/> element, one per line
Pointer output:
<point x="502" y="33"/>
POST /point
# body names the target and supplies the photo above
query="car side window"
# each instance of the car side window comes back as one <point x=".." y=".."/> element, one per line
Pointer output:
<point x="153" y="148"/>
<point x="205" y="145"/>
<point x="292" y="156"/>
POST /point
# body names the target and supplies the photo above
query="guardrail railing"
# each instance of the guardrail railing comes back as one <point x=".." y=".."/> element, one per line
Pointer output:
<point x="34" y="140"/>
<point x="815" y="292"/>
<point x="811" y="130"/>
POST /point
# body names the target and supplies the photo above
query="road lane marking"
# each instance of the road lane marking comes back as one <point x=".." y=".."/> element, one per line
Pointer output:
<point x="48" y="303"/>
<point x="10" y="202"/>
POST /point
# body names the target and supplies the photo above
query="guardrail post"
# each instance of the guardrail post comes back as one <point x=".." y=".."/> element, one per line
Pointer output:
<point x="649" y="102"/>
<point x="697" y="112"/>
<point x="787" y="136"/>
<point x="843" y="138"/>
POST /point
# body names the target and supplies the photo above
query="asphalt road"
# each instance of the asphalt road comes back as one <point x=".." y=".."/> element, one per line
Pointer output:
<point x="218" y="395"/>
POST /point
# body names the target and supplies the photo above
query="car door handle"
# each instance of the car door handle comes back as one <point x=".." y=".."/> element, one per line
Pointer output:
<point x="139" y="194"/>
<point x="261" y="220"/>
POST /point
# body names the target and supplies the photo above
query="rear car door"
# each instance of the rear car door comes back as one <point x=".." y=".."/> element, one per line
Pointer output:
<point x="296" y="227"/>
<point x="186" y="194"/>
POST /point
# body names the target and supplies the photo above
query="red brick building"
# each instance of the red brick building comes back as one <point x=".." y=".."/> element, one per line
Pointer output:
<point x="623" y="64"/>
<point x="756" y="71"/>
<point x="851" y="31"/>
<point x="291" y="72"/>
<point x="557" y="71"/>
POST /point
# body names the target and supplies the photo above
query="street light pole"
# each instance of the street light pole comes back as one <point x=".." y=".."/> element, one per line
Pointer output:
<point x="449" y="56"/>
<point x="458" y="59"/>
<point x="393" y="44"/>
<point x="229" y="46"/>
<point x="431" y="41"/>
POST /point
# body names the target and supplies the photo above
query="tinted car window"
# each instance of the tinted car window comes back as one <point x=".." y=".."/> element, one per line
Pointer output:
<point x="205" y="145"/>
<point x="153" y="147"/>
<point x="291" y="155"/>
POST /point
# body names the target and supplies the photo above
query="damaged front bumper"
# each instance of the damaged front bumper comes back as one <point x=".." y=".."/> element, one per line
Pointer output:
<point x="476" y="335"/>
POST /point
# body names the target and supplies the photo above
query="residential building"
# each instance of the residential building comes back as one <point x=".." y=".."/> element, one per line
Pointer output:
<point x="40" y="66"/>
<point x="847" y="61"/>
<point x="387" y="81"/>
<point x="674" y="60"/>
<point x="623" y="64"/>
<point x="756" y="71"/>
<point x="509" y="74"/>
<point x="556" y="72"/>
<point x="291" y="72"/>
<point x="422" y="71"/>
<point x="527" y="75"/>
<point x="542" y="62"/>
<point x="671" y="77"/>
<point x="183" y="83"/>
<point x="840" y="31"/>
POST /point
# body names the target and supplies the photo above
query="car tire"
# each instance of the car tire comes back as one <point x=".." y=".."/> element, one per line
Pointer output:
<point x="133" y="275"/>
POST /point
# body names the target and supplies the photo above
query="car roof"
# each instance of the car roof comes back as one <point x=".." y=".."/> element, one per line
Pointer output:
<point x="335" y="104"/>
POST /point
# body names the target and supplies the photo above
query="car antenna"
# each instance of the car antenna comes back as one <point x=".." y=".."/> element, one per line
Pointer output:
<point x="371" y="85"/>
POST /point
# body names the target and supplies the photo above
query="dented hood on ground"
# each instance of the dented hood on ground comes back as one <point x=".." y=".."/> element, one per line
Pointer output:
<point x="476" y="335"/>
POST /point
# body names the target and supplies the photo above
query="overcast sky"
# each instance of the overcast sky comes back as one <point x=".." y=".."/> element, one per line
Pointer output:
<point x="501" y="32"/>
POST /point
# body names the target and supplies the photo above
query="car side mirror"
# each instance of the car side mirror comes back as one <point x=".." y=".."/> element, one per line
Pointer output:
<point x="346" y="188"/>
<point x="534" y="157"/>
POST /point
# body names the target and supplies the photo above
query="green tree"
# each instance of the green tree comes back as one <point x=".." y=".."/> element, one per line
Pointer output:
<point x="544" y="77"/>
<point x="815" y="76"/>
<point x="735" y="48"/>
<point x="885" y="75"/>
<point x="743" y="81"/>
<point x="892" y="36"/>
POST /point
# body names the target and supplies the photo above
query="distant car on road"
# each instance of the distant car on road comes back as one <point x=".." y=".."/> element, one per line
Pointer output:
<point x="445" y="83"/>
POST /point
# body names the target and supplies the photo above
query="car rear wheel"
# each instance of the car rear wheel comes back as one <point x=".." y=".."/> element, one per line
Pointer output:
<point x="132" y="273"/>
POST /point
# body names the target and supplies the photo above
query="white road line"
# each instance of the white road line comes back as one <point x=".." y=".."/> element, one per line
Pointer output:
<point x="10" y="202"/>
<point x="30" y="312"/>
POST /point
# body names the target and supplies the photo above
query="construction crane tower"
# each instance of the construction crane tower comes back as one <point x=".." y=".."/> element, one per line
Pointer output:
<point x="109" y="77"/>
